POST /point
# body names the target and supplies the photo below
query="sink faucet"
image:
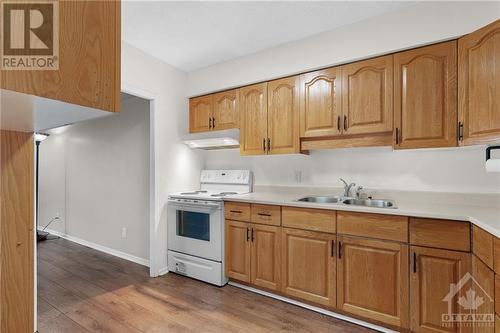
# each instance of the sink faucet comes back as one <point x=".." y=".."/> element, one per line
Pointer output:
<point x="347" y="188"/>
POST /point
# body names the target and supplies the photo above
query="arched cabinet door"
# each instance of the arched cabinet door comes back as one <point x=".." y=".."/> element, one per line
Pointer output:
<point x="425" y="98"/>
<point x="367" y="96"/>
<point x="252" y="103"/>
<point x="479" y="85"/>
<point x="320" y="109"/>
<point x="200" y="113"/>
<point x="283" y="116"/>
<point x="225" y="113"/>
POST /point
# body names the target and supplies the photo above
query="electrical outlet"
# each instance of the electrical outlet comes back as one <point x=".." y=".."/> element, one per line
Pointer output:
<point x="124" y="232"/>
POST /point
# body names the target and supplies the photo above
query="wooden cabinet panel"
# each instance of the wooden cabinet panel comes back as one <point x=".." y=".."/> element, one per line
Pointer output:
<point x="225" y="110"/>
<point x="390" y="227"/>
<point x="432" y="273"/>
<point x="482" y="245"/>
<point x="309" y="219"/>
<point x="16" y="231"/>
<point x="479" y="85"/>
<point x="367" y="88"/>
<point x="497" y="294"/>
<point x="266" y="214"/>
<point x="372" y="280"/>
<point x="265" y="257"/>
<point x="308" y="266"/>
<point x="320" y="108"/>
<point x="237" y="250"/>
<point x="252" y="105"/>
<point x="496" y="255"/>
<point x="283" y="115"/>
<point x="89" y="53"/>
<point x="200" y="111"/>
<point x="425" y="96"/>
<point x="444" y="234"/>
<point x="484" y="288"/>
<point x="239" y="211"/>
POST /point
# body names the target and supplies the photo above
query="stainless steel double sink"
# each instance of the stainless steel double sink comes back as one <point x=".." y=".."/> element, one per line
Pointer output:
<point x="377" y="203"/>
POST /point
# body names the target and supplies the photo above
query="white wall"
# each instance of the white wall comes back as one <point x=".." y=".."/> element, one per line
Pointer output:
<point x="411" y="26"/>
<point x="95" y="174"/>
<point x="444" y="170"/>
<point x="177" y="166"/>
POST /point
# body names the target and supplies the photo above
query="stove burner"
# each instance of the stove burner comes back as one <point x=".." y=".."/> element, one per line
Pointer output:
<point x="223" y="194"/>
<point x="192" y="193"/>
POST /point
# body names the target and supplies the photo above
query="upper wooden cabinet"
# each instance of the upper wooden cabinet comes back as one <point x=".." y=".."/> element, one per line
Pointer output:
<point x="367" y="96"/>
<point x="269" y="117"/>
<point x="213" y="112"/>
<point x="200" y="114"/>
<point x="283" y="115"/>
<point x="89" y="58"/>
<point x="253" y="119"/>
<point x="372" y="280"/>
<point x="425" y="98"/>
<point x="309" y="266"/>
<point x="320" y="108"/>
<point x="479" y="85"/>
<point x="225" y="110"/>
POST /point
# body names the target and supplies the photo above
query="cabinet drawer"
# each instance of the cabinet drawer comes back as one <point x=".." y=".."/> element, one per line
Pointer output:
<point x="390" y="227"/>
<point x="239" y="211"/>
<point x="443" y="234"/>
<point x="266" y="214"/>
<point x="309" y="219"/>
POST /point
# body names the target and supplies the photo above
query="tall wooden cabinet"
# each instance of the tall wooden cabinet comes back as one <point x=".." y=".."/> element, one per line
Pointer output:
<point x="269" y="117"/>
<point x="479" y="85"/>
<point x="309" y="266"/>
<point x="89" y="58"/>
<point x="432" y="273"/>
<point x="320" y="108"/>
<point x="425" y="97"/>
<point x="372" y="279"/>
<point x="367" y="96"/>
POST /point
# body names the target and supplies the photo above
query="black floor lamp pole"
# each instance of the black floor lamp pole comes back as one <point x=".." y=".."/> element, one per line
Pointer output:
<point x="40" y="235"/>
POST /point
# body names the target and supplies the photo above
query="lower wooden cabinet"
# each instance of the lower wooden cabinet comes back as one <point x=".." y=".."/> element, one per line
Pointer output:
<point x="237" y="250"/>
<point x="309" y="266"/>
<point x="372" y="279"/>
<point x="484" y="287"/>
<point x="253" y="254"/>
<point x="432" y="274"/>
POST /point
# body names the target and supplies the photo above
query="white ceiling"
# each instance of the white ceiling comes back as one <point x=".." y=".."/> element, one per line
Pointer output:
<point x="193" y="35"/>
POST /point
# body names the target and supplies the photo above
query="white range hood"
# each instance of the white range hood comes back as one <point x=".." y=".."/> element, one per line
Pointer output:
<point x="225" y="139"/>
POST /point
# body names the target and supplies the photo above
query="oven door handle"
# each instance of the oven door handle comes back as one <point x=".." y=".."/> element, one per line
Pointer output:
<point x="174" y="203"/>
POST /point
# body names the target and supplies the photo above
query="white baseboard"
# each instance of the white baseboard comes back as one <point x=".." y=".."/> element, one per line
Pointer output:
<point x="108" y="250"/>
<point x="314" y="308"/>
<point x="163" y="271"/>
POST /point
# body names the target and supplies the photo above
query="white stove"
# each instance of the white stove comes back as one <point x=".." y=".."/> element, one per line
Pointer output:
<point x="195" y="225"/>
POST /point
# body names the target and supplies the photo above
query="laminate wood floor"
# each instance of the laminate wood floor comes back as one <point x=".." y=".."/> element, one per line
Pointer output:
<point x="81" y="290"/>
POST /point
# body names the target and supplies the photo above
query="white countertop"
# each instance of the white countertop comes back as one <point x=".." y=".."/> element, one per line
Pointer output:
<point x="482" y="210"/>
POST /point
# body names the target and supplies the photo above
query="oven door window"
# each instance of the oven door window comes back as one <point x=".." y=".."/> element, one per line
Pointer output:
<point x="193" y="225"/>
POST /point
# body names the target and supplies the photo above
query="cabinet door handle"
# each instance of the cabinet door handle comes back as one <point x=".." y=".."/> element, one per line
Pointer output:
<point x="332" y="253"/>
<point x="248" y="234"/>
<point x="209" y="123"/>
<point x="236" y="211"/>
<point x="340" y="250"/>
<point x="252" y="235"/>
<point x="414" y="262"/>
<point x="268" y="144"/>
<point x="345" y="123"/>
<point x="264" y="144"/>
<point x="213" y="122"/>
<point x="397" y="136"/>
<point x="264" y="214"/>
<point x="338" y="123"/>
<point x="460" y="131"/>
